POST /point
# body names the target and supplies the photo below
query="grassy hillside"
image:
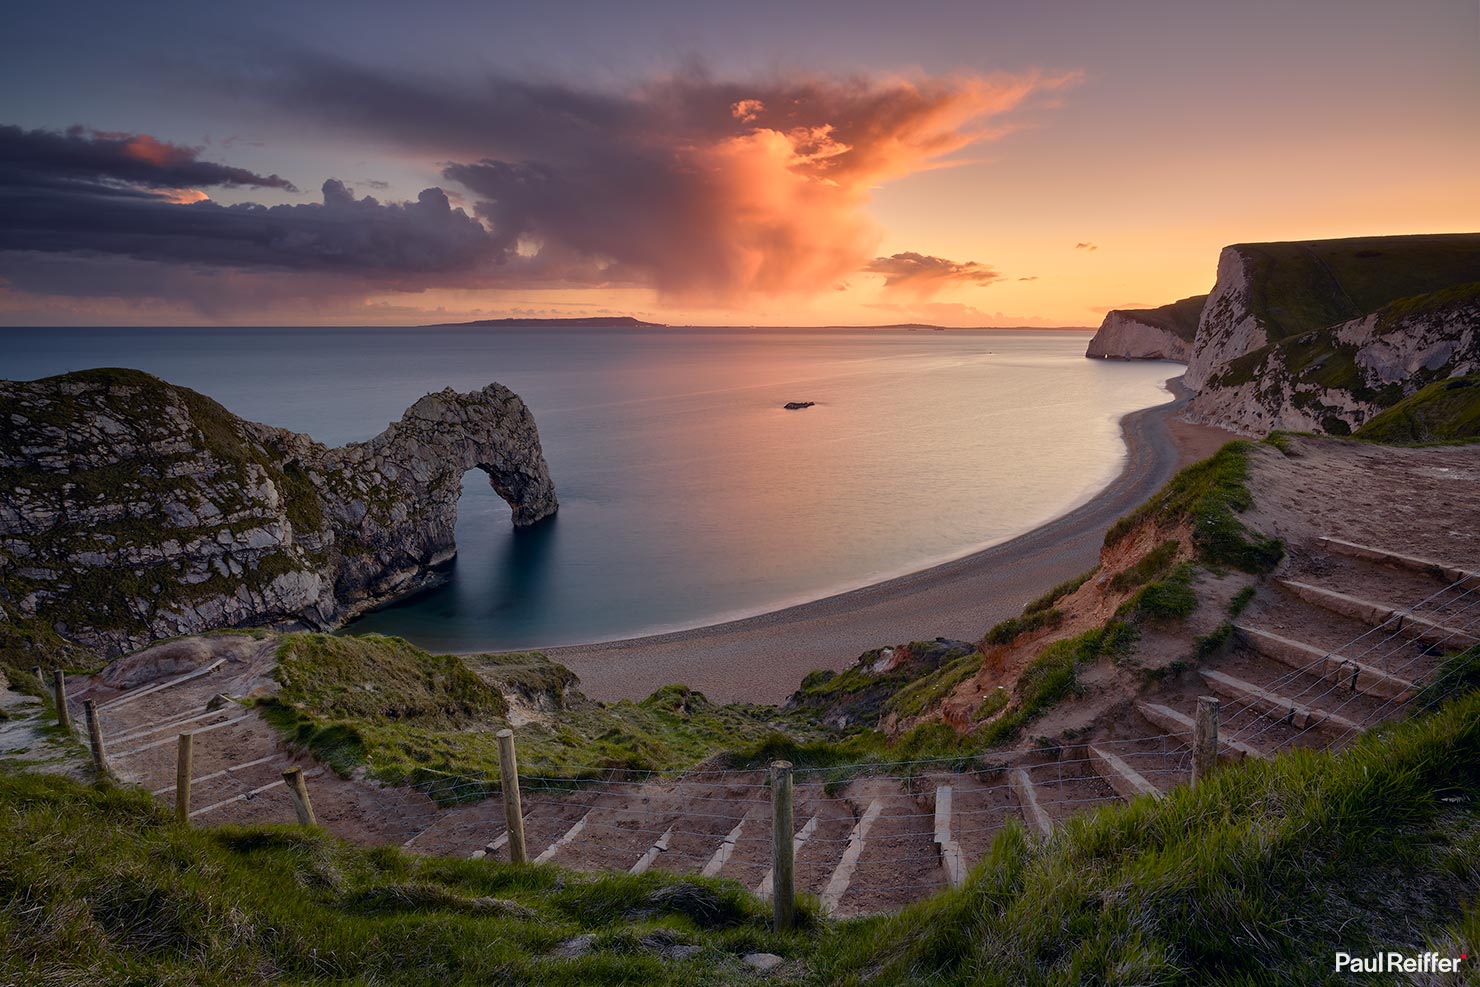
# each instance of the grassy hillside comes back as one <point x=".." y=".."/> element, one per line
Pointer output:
<point x="1311" y="284"/>
<point x="1256" y="877"/>
<point x="1445" y="411"/>
<point x="98" y="887"/>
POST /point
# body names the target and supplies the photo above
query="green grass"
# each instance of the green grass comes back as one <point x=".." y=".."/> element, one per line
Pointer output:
<point x="1063" y="589"/>
<point x="1148" y="568"/>
<point x="98" y="887"/>
<point x="1255" y="877"/>
<point x="1208" y="496"/>
<point x="1299" y="286"/>
<point x="1444" y="411"/>
<point x="411" y="717"/>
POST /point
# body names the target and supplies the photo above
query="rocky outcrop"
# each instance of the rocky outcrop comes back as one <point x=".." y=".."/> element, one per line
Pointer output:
<point x="1164" y="333"/>
<point x="1334" y="380"/>
<point x="1269" y="292"/>
<point x="135" y="510"/>
<point x="1229" y="326"/>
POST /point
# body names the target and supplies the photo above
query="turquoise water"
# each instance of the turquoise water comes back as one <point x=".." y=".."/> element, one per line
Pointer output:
<point x="688" y="495"/>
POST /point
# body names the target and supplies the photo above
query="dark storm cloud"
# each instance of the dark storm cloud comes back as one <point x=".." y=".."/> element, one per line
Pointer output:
<point x="135" y="196"/>
<point x="51" y="157"/>
<point x="701" y="188"/>
<point x="341" y="234"/>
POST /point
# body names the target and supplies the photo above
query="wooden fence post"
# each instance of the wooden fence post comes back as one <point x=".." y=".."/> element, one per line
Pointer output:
<point x="95" y="737"/>
<point x="508" y="768"/>
<point x="182" y="779"/>
<point x="783" y="886"/>
<point x="40" y="676"/>
<point x="59" y="693"/>
<point x="298" y="791"/>
<point x="1205" y="739"/>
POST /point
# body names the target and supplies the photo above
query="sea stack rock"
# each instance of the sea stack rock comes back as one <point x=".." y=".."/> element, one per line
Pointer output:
<point x="798" y="405"/>
<point x="134" y="509"/>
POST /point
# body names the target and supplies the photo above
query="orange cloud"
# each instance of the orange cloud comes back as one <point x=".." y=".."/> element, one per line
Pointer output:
<point x="924" y="276"/>
<point x="707" y="191"/>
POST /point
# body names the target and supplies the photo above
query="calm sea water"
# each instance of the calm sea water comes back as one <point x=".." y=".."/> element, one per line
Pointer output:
<point x="687" y="494"/>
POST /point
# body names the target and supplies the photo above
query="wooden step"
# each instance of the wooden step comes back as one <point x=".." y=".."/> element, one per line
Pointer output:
<point x="1027" y="799"/>
<point x="570" y="834"/>
<point x="659" y="847"/>
<point x="1126" y="780"/>
<point x="1354" y="675"/>
<point x="1410" y="625"/>
<point x="1429" y="567"/>
<point x="945" y="845"/>
<point x="1281" y="708"/>
<point x="842" y="875"/>
<point x="1179" y="724"/>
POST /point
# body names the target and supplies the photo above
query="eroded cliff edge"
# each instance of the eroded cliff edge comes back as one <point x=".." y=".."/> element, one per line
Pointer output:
<point x="132" y="509"/>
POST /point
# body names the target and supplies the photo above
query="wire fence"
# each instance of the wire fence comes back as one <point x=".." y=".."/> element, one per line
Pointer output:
<point x="867" y="836"/>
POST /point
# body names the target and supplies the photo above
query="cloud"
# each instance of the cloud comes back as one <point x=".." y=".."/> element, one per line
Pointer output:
<point x="706" y="190"/>
<point x="709" y="192"/>
<point x="1033" y="277"/>
<point x="77" y="156"/>
<point x="340" y="234"/>
<point x="924" y="275"/>
<point x="1086" y="246"/>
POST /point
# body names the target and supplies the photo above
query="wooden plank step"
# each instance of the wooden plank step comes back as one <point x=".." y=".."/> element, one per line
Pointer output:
<point x="646" y="860"/>
<point x="129" y="697"/>
<point x="1356" y="676"/>
<point x="244" y="796"/>
<point x="1027" y="799"/>
<point x="1280" y="707"/>
<point x="1126" y="780"/>
<point x="722" y="855"/>
<point x="797" y="842"/>
<point x="1181" y="725"/>
<point x="175" y="740"/>
<point x="493" y="847"/>
<point x="569" y="835"/>
<point x="1429" y="567"/>
<point x="842" y="875"/>
<point x="1411" y="625"/>
<point x="949" y="850"/>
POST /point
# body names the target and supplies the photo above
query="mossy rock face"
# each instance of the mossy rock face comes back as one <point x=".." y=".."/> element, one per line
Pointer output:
<point x="1323" y="335"/>
<point x="137" y="510"/>
<point x="1445" y="411"/>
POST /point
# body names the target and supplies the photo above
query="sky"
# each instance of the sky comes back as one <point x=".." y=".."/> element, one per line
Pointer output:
<point x="967" y="164"/>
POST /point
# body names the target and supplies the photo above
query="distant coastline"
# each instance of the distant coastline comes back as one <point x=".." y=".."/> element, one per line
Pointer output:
<point x="628" y="322"/>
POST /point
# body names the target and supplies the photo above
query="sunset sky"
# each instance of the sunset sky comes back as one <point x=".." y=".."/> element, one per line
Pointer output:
<point x="975" y="163"/>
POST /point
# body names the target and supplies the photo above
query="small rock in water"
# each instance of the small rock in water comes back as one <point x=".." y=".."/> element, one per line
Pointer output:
<point x="799" y="405"/>
<point x="763" y="961"/>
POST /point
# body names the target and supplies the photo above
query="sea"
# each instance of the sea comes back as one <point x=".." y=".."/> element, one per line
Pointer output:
<point x="688" y="494"/>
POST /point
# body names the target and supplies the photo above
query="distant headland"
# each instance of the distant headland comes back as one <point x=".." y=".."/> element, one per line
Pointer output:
<point x="596" y="322"/>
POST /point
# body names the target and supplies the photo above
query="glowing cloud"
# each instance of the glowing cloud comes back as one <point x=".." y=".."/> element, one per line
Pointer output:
<point x="707" y="191"/>
<point x="925" y="276"/>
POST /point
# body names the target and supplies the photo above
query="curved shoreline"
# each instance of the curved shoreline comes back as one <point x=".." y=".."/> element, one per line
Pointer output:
<point x="763" y="658"/>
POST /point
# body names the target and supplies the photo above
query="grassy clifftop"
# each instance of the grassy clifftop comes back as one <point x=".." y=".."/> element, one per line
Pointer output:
<point x="1310" y="284"/>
